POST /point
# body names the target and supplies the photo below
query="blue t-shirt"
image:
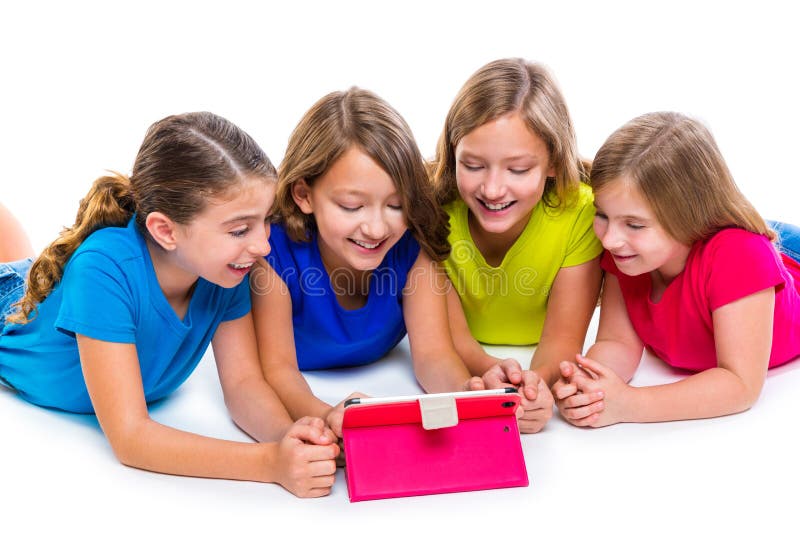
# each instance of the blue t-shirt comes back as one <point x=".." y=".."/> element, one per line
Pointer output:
<point x="325" y="334"/>
<point x="109" y="291"/>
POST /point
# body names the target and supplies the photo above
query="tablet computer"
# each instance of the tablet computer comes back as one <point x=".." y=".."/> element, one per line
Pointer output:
<point x="437" y="443"/>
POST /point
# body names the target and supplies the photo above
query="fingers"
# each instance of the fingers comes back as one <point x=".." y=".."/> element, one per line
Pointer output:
<point x="475" y="384"/>
<point x="512" y="370"/>
<point x="592" y="365"/>
<point x="562" y="390"/>
<point x="530" y="384"/>
<point x="311" y="430"/>
<point x="582" y="399"/>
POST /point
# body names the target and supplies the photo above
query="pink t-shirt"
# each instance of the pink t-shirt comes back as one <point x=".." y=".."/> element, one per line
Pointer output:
<point x="730" y="265"/>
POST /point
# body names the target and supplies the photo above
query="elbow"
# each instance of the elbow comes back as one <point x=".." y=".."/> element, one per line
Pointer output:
<point x="129" y="444"/>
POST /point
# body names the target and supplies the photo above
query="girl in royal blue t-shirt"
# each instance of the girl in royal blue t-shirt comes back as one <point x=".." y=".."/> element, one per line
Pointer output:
<point x="355" y="248"/>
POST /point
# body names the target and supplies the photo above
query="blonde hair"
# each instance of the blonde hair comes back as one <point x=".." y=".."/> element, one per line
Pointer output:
<point x="184" y="160"/>
<point x="506" y="86"/>
<point x="359" y="118"/>
<point x="678" y="168"/>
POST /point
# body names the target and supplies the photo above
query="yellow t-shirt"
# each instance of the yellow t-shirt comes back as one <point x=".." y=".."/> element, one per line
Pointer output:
<point x="506" y="305"/>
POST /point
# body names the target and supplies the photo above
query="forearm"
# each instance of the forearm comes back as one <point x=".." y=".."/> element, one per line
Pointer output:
<point x="257" y="410"/>
<point x="711" y="393"/>
<point x="550" y="353"/>
<point x="622" y="358"/>
<point x="439" y="372"/>
<point x="474" y="356"/>
<point x="295" y="393"/>
<point x="155" y="447"/>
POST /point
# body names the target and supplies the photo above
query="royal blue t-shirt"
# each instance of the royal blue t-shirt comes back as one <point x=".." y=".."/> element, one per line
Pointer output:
<point x="325" y="334"/>
<point x="109" y="291"/>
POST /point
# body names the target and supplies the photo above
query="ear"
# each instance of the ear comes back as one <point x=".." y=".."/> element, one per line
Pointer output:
<point x="162" y="229"/>
<point x="301" y="193"/>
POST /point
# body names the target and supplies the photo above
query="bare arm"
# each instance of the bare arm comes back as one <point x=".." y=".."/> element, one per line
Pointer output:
<point x="437" y="366"/>
<point x="113" y="379"/>
<point x="731" y="387"/>
<point x="252" y="403"/>
<point x="272" y="313"/>
<point x="477" y="360"/>
<point x="572" y="301"/>
<point x="14" y="244"/>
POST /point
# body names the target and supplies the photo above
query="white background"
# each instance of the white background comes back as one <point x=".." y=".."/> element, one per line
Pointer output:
<point x="80" y="82"/>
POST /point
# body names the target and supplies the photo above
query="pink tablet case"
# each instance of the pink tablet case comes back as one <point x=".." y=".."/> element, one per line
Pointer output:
<point x="389" y="454"/>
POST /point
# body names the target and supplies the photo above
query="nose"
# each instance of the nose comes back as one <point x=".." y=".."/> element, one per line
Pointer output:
<point x="610" y="237"/>
<point x="374" y="226"/>
<point x="493" y="186"/>
<point x="259" y="245"/>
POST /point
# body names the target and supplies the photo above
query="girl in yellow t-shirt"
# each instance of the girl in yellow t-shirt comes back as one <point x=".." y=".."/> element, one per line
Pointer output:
<point x="524" y="265"/>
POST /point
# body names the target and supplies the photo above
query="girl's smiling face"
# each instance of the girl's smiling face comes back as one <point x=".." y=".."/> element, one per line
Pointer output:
<point x="630" y="232"/>
<point x="358" y="212"/>
<point x="501" y="171"/>
<point x="228" y="235"/>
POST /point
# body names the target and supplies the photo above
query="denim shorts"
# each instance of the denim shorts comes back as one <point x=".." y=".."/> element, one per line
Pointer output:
<point x="12" y="285"/>
<point x="788" y="239"/>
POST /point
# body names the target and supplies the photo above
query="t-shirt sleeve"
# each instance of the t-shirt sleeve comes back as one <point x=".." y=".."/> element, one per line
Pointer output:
<point x="239" y="303"/>
<point x="583" y="243"/>
<point x="739" y="263"/>
<point x="97" y="300"/>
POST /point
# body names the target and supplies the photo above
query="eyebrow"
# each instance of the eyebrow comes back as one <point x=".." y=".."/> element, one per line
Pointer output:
<point x="598" y="209"/>
<point x="468" y="154"/>
<point x="240" y="218"/>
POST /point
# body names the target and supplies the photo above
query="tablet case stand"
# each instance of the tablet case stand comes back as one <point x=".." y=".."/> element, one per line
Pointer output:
<point x="432" y="445"/>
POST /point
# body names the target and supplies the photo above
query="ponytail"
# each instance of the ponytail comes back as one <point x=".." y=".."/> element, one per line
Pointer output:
<point x="108" y="203"/>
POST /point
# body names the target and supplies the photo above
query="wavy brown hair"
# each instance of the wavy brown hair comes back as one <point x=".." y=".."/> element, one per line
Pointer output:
<point x="506" y="86"/>
<point x="675" y="163"/>
<point x="360" y="118"/>
<point x="184" y="161"/>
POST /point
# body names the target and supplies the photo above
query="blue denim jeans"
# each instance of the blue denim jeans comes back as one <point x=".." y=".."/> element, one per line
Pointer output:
<point x="788" y="238"/>
<point x="12" y="285"/>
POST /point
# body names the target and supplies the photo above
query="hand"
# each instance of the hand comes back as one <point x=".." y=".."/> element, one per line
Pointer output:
<point x="565" y="386"/>
<point x="584" y="401"/>
<point x="536" y="405"/>
<point x="305" y="458"/>
<point x="335" y="415"/>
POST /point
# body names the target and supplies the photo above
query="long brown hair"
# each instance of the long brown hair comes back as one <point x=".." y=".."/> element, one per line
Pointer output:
<point x="184" y="160"/>
<point x="360" y="118"/>
<point x="506" y="86"/>
<point x="675" y="163"/>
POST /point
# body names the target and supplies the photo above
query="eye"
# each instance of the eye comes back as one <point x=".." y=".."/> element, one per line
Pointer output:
<point x="397" y="207"/>
<point x="349" y="208"/>
<point x="471" y="167"/>
<point x="239" y="233"/>
<point x="633" y="226"/>
<point x="519" y="171"/>
<point x="599" y="215"/>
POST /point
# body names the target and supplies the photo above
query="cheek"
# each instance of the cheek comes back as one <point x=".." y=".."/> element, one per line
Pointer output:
<point x="600" y="227"/>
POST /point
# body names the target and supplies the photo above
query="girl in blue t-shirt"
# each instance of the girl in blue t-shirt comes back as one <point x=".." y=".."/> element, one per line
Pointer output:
<point x="121" y="307"/>
<point x="355" y="247"/>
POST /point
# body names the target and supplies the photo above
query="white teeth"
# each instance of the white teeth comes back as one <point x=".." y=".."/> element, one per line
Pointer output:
<point x="241" y="265"/>
<point x="366" y="245"/>
<point x="497" y="207"/>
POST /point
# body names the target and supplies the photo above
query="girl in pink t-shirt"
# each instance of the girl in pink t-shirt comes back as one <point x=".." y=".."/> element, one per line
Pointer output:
<point x="691" y="274"/>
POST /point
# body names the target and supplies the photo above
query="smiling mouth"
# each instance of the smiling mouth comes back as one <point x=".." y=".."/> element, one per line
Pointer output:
<point x="240" y="266"/>
<point x="496" y="206"/>
<point x="367" y="245"/>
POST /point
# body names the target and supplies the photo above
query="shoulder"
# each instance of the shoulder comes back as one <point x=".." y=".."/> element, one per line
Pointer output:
<point x="738" y="243"/>
<point x="111" y="247"/>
